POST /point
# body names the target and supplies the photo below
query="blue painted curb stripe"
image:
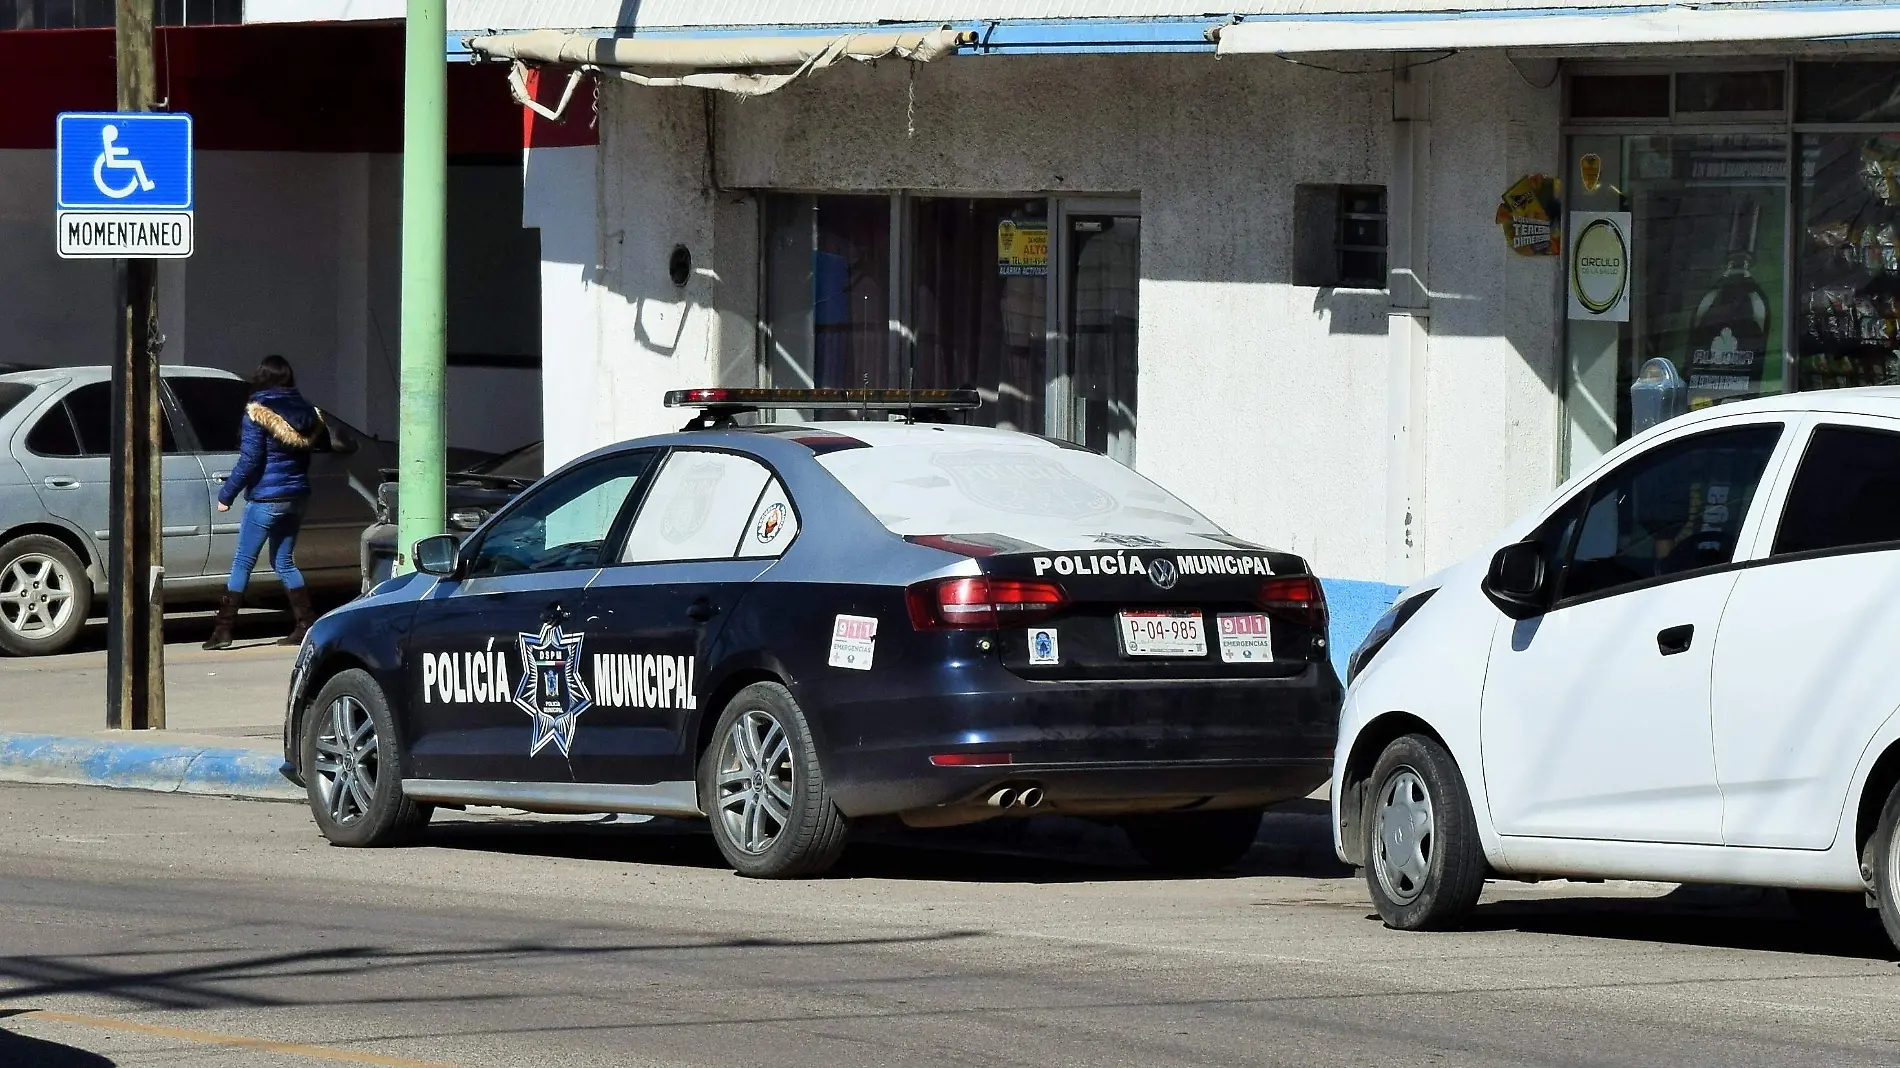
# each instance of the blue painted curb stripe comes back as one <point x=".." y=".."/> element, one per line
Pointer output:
<point x="141" y="765"/>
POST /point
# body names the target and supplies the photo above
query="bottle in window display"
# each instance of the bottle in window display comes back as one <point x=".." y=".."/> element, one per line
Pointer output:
<point x="1728" y="343"/>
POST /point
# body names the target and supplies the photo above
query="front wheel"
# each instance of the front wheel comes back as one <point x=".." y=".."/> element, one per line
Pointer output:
<point x="1424" y="864"/>
<point x="352" y="766"/>
<point x="760" y="783"/>
<point x="1192" y="842"/>
<point x="1883" y="856"/>
<point x="45" y="595"/>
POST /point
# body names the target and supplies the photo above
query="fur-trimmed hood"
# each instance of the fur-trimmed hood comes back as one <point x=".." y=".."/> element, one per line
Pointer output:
<point x="279" y="427"/>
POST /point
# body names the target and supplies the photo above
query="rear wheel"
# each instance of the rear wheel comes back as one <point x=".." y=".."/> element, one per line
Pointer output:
<point x="1883" y="856"/>
<point x="45" y="595"/>
<point x="352" y="765"/>
<point x="760" y="783"/>
<point x="1424" y="865"/>
<point x="1194" y="841"/>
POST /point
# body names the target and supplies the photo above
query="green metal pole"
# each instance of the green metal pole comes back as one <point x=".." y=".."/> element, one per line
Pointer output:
<point x="425" y="177"/>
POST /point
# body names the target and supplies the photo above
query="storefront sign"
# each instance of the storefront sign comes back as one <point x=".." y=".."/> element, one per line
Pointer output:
<point x="1022" y="248"/>
<point x="1529" y="215"/>
<point x="1600" y="266"/>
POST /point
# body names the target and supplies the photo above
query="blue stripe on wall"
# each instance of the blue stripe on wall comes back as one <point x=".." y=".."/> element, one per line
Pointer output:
<point x="1355" y="606"/>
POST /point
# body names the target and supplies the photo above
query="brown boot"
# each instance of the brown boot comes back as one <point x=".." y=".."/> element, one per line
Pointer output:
<point x="228" y="606"/>
<point x="302" y="611"/>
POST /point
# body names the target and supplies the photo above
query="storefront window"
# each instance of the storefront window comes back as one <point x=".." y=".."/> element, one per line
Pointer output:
<point x="1707" y="221"/>
<point x="982" y="323"/>
<point x="1850" y="260"/>
<point x="828" y="308"/>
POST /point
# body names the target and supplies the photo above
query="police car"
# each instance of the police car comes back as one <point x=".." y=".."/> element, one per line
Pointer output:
<point x="789" y="628"/>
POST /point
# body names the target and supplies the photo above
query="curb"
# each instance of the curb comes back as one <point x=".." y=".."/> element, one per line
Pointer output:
<point x="126" y="765"/>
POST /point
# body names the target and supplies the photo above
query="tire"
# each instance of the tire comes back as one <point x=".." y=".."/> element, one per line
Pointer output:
<point x="1883" y="856"/>
<point x="356" y="791"/>
<point x="45" y="595"/>
<point x="1189" y="842"/>
<point x="1424" y="864"/>
<point x="760" y="784"/>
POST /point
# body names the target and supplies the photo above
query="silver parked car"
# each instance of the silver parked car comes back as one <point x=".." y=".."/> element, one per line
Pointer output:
<point x="55" y="440"/>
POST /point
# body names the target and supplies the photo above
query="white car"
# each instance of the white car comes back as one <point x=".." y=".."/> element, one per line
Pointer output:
<point x="1681" y="668"/>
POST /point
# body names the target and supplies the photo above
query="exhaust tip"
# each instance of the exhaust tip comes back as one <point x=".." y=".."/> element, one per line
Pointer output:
<point x="1030" y="797"/>
<point x="1002" y="798"/>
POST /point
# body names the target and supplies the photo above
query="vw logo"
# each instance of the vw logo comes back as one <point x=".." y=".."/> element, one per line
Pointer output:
<point x="1161" y="572"/>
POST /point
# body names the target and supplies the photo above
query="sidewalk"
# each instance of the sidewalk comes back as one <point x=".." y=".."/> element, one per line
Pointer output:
<point x="224" y="713"/>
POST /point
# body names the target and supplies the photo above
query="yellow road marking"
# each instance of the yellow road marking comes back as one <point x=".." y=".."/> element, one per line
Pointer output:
<point x="213" y="1038"/>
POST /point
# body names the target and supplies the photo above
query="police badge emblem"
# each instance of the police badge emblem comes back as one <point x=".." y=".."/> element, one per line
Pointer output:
<point x="551" y="690"/>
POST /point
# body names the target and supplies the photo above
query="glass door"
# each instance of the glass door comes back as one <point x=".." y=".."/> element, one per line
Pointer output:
<point x="1098" y="304"/>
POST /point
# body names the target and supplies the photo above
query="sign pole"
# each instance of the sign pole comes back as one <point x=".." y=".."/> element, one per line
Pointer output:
<point x="425" y="150"/>
<point x="135" y="635"/>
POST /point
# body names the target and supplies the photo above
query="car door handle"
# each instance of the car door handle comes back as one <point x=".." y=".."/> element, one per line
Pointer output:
<point x="56" y="482"/>
<point x="220" y="475"/>
<point x="1673" y="640"/>
<point x="702" y="610"/>
<point x="554" y="613"/>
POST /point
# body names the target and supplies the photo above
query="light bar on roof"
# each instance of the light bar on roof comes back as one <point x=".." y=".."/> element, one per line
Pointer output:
<point x="824" y="399"/>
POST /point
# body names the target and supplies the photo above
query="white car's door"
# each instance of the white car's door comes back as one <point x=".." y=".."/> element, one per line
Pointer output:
<point x="1595" y="715"/>
<point x="1804" y="663"/>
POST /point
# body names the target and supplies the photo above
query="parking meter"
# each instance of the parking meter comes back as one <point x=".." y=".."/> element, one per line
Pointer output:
<point x="1658" y="395"/>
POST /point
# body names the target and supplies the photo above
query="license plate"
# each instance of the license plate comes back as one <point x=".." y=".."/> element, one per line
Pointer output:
<point x="1173" y="633"/>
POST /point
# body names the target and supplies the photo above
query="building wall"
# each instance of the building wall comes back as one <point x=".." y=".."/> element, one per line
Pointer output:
<point x="1262" y="402"/>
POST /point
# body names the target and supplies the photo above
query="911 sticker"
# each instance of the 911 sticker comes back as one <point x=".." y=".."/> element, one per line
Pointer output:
<point x="853" y="642"/>
<point x="1245" y="638"/>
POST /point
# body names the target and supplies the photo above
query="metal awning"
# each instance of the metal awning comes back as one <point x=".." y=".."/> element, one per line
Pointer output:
<point x="747" y="66"/>
<point x="1425" y="31"/>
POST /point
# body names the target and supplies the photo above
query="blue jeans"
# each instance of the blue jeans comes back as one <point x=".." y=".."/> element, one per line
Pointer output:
<point x="278" y="521"/>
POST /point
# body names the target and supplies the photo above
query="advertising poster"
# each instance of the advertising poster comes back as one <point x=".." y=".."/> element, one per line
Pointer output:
<point x="1600" y="266"/>
<point x="1022" y="248"/>
<point x="1528" y="214"/>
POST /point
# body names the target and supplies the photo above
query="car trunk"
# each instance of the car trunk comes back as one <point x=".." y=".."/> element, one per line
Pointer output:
<point x="1162" y="614"/>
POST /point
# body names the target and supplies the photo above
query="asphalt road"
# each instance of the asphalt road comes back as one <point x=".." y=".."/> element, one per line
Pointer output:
<point x="144" y="929"/>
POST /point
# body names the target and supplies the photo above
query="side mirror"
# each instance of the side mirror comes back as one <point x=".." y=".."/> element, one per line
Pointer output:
<point x="1518" y="582"/>
<point x="439" y="555"/>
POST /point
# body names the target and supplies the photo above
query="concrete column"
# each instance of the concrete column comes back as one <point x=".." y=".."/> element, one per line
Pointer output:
<point x="1408" y="324"/>
<point x="560" y="196"/>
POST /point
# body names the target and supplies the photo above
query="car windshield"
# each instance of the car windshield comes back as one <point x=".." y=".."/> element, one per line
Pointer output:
<point x="1037" y="493"/>
<point x="11" y="394"/>
<point x="523" y="463"/>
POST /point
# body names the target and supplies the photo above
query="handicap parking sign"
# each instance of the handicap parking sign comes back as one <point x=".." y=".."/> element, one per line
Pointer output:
<point x="125" y="185"/>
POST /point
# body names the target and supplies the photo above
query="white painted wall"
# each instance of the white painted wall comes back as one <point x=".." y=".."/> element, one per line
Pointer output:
<point x="1261" y="402"/>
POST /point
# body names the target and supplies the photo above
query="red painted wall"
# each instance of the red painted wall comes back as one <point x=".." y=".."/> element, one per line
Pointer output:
<point x="314" y="87"/>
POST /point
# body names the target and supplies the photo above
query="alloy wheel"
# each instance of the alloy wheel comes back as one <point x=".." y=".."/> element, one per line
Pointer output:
<point x="347" y="761"/>
<point x="754" y="786"/>
<point x="36" y="596"/>
<point x="1406" y="836"/>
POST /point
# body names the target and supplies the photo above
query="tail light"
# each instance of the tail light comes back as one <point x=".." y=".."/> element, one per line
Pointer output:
<point x="982" y="603"/>
<point x="1295" y="597"/>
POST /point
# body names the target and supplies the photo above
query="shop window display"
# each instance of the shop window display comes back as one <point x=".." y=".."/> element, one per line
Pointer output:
<point x="1850" y="261"/>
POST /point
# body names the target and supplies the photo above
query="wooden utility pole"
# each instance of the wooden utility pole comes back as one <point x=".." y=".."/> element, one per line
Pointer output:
<point x="135" y="635"/>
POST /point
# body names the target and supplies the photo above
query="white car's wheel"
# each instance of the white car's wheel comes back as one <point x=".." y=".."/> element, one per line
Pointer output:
<point x="1883" y="855"/>
<point x="1424" y="865"/>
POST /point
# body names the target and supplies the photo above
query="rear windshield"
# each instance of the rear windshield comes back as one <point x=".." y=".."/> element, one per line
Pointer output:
<point x="11" y="394"/>
<point x="1044" y="495"/>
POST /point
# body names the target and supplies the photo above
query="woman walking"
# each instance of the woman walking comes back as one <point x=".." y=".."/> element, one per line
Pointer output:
<point x="273" y="473"/>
